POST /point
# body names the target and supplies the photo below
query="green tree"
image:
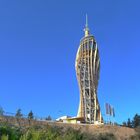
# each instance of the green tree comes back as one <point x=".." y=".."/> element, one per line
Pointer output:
<point x="124" y="124"/>
<point x="48" y="118"/>
<point x="129" y="123"/>
<point x="136" y="121"/>
<point x="1" y="111"/>
<point x="30" y="117"/>
<point x="18" y="113"/>
<point x="18" y="116"/>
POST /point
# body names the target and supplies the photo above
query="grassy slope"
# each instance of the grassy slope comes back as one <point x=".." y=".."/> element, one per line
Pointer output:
<point x="64" y="131"/>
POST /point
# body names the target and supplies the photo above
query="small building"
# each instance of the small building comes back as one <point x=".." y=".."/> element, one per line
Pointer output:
<point x="72" y="120"/>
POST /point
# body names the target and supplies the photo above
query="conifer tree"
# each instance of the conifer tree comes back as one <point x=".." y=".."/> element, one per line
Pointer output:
<point x="18" y="113"/>
<point x="129" y="123"/>
<point x="18" y="116"/>
<point x="30" y="117"/>
<point x="136" y="121"/>
<point x="48" y="118"/>
<point x="1" y="111"/>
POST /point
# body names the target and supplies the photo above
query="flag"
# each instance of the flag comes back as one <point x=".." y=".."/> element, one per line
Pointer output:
<point x="110" y="109"/>
<point x="113" y="112"/>
<point x="107" y="108"/>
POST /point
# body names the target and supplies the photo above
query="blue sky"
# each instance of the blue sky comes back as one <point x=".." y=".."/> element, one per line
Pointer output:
<point x="38" y="44"/>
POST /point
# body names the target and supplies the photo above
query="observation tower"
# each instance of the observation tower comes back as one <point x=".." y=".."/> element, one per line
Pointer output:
<point x="87" y="67"/>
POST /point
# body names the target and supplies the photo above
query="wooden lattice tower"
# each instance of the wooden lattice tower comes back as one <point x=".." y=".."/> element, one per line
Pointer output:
<point x="87" y="70"/>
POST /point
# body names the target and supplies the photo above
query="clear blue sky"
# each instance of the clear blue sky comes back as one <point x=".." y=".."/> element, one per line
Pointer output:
<point x="38" y="44"/>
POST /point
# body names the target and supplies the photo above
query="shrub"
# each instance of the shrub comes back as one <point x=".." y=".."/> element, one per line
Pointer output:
<point x="4" y="137"/>
<point x="106" y="136"/>
<point x="12" y="133"/>
<point x="135" y="137"/>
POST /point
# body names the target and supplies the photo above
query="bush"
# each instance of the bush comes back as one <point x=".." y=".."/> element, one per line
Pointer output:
<point x="4" y="137"/>
<point x="12" y="133"/>
<point x="135" y="137"/>
<point x="106" y="136"/>
<point x="53" y="133"/>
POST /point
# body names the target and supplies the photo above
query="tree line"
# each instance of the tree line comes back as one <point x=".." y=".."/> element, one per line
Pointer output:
<point x="134" y="123"/>
<point x="19" y="115"/>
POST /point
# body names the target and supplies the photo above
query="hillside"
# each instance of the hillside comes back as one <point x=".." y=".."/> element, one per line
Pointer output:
<point x="107" y="132"/>
<point x="120" y="133"/>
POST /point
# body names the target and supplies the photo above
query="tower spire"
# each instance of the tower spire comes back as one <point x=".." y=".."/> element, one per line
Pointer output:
<point x="86" y="21"/>
<point x="86" y="27"/>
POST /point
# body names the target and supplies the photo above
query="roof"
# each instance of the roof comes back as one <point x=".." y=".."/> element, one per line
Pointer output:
<point x="76" y="118"/>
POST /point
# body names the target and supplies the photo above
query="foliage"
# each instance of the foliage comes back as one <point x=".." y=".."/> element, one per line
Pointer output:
<point x="129" y="123"/>
<point x="48" y="133"/>
<point x="48" y="118"/>
<point x="18" y="113"/>
<point x="71" y="134"/>
<point x="1" y="111"/>
<point x="30" y="115"/>
<point x="124" y="124"/>
<point x="134" y="123"/>
<point x="4" y="137"/>
<point x="18" y="116"/>
<point x="135" y="137"/>
<point x="12" y="133"/>
<point x="106" y="136"/>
